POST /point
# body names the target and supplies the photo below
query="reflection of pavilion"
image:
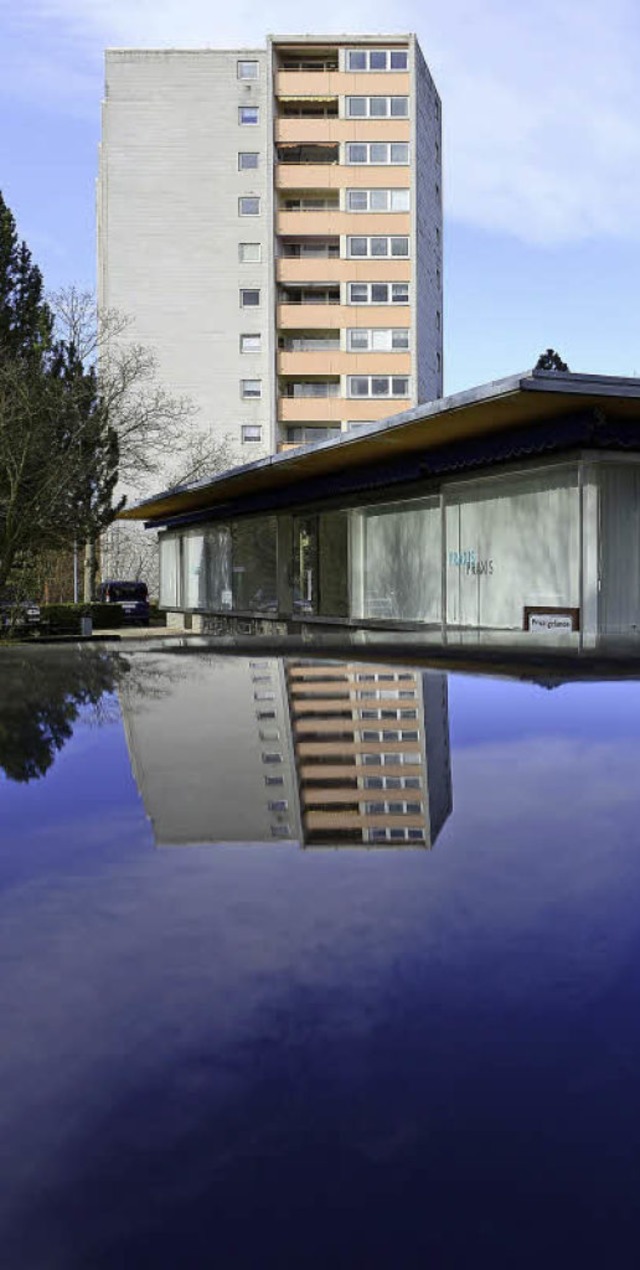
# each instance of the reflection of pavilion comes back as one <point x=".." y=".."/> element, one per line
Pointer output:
<point x="239" y="750"/>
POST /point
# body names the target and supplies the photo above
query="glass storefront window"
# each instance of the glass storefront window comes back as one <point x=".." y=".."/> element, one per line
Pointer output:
<point x="512" y="542"/>
<point x="333" y="565"/>
<point x="215" y="576"/>
<point x="170" y="597"/>
<point x="304" y="598"/>
<point x="397" y="562"/>
<point x="254" y="569"/>
<point x="192" y="583"/>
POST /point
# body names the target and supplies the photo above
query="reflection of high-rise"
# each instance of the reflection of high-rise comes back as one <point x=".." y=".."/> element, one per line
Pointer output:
<point x="251" y="750"/>
<point x="372" y="753"/>
<point x="210" y="751"/>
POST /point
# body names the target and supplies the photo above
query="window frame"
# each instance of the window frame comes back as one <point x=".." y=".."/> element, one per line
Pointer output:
<point x="248" y="198"/>
<point x="366" y="55"/>
<point x="247" y="61"/>
<point x="246" y="428"/>
<point x="244" y="291"/>
<point x="250" y="260"/>
<point x="391" y="394"/>
<point x="369" y="254"/>
<point x="391" y="286"/>
<point x="378" y="162"/>
<point x="248" y="123"/>
<point x="247" y="395"/>
<point x="391" y="191"/>
<point x="368" y="113"/>
<point x="248" y="167"/>
<point x="251" y="335"/>
<point x="370" y="332"/>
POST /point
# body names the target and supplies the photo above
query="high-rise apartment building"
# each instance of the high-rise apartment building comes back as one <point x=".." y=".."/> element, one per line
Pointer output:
<point x="271" y="220"/>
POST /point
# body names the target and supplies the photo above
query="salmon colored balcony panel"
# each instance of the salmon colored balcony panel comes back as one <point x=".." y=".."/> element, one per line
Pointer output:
<point x="311" y="409"/>
<point x="321" y="269"/>
<point x="333" y="223"/>
<point x="341" y="83"/>
<point x="327" y="130"/>
<point x="354" y="819"/>
<point x="308" y="317"/>
<point x="369" y="410"/>
<point x="319" y="706"/>
<point x="335" y="409"/>
<point x="337" y="176"/>
<point x="310" y="269"/>
<point x="328" y="362"/>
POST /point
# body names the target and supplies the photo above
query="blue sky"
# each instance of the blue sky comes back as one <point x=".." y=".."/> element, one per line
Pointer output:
<point x="541" y="153"/>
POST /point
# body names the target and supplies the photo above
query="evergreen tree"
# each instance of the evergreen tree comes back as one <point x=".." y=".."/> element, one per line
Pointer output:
<point x="550" y="360"/>
<point x="26" y="322"/>
<point x="58" y="449"/>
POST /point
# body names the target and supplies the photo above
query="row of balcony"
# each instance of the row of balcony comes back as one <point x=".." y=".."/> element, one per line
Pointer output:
<point x="333" y="223"/>
<point x="325" y="130"/>
<point x="333" y="410"/>
<point x="336" y="316"/>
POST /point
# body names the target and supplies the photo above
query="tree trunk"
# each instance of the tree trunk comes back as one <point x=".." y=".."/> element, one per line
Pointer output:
<point x="90" y="572"/>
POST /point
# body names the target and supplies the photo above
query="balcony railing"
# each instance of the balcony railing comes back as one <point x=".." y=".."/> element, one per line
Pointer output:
<point x="309" y="343"/>
<point x="308" y="154"/>
<point x="312" y="435"/>
<point x="309" y="295"/>
<point x="311" y="249"/>
<point x="328" y="62"/>
<point x="308" y="109"/>
<point x="310" y="388"/>
<point x="310" y="204"/>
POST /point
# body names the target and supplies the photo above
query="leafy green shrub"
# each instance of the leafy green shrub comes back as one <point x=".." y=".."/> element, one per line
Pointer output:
<point x="64" y="619"/>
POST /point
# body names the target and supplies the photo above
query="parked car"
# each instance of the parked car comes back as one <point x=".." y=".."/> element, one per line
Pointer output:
<point x="19" y="613"/>
<point x="133" y="598"/>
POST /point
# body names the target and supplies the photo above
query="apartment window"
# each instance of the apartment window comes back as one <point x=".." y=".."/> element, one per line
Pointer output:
<point x="378" y="386"/>
<point x="377" y="60"/>
<point x="249" y="253"/>
<point x="247" y="70"/>
<point x="279" y="804"/>
<point x="377" y="107"/>
<point x="248" y="114"/>
<point x="378" y="293"/>
<point x="274" y="780"/>
<point x="378" y="152"/>
<point x="250" y="343"/>
<point x="251" y="432"/>
<point x="249" y="297"/>
<point x="378" y="200"/>
<point x="378" y="339"/>
<point x="378" y="246"/>
<point x="249" y="206"/>
<point x="250" y="389"/>
<point x="271" y="758"/>
<point x="247" y="160"/>
<point x="438" y="320"/>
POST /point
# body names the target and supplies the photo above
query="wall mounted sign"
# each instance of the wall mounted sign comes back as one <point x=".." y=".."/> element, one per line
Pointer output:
<point x="549" y="620"/>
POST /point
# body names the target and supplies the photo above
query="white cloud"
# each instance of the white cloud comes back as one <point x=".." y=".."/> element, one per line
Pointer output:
<point x="540" y="102"/>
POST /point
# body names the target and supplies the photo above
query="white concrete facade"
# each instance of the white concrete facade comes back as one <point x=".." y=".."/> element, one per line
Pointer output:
<point x="184" y="257"/>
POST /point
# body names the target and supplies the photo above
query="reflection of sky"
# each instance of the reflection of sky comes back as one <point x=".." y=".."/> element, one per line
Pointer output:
<point x="245" y="1056"/>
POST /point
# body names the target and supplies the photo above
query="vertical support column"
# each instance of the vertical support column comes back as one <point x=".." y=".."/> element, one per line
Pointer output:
<point x="284" y="559"/>
<point x="589" y="553"/>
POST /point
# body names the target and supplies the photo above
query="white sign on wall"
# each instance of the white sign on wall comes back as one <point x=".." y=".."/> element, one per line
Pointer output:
<point x="551" y="623"/>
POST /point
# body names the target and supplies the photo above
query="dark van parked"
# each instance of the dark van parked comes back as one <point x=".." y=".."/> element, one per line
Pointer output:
<point x="132" y="597"/>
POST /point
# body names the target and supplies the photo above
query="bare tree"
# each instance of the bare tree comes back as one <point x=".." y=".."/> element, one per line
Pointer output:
<point x="130" y="551"/>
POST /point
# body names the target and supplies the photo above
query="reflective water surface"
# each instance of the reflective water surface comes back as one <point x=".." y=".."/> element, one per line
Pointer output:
<point x="316" y="964"/>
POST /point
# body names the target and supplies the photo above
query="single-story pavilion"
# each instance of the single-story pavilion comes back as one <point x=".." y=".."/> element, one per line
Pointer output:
<point x="514" y="506"/>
